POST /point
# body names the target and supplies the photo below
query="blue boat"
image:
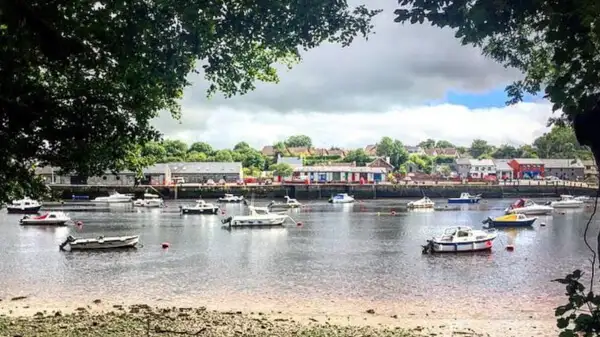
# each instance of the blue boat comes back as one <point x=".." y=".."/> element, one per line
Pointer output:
<point x="511" y="220"/>
<point x="465" y="198"/>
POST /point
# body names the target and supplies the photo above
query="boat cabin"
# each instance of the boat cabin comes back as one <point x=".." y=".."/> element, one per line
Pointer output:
<point x="258" y="210"/>
<point x="522" y="203"/>
<point x="461" y="233"/>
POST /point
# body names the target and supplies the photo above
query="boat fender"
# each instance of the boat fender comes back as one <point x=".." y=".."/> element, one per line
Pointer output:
<point x="165" y="245"/>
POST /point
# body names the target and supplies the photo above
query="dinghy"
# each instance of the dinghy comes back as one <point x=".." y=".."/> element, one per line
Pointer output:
<point x="461" y="239"/>
<point x="201" y="207"/>
<point x="100" y="243"/>
<point x="48" y="219"/>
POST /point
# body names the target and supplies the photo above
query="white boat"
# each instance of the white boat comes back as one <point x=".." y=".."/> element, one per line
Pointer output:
<point x="231" y="198"/>
<point x="461" y="239"/>
<point x="100" y="243"/>
<point x="257" y="217"/>
<point x="584" y="198"/>
<point x="201" y="207"/>
<point x="528" y="207"/>
<point x="341" y="198"/>
<point x="114" y="198"/>
<point x="47" y="219"/>
<point x="24" y="206"/>
<point x="567" y="201"/>
<point x="424" y="202"/>
<point x="154" y="203"/>
<point x="289" y="203"/>
<point x="465" y="198"/>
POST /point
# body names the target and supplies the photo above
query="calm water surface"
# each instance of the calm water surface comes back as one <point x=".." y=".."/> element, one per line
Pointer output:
<point x="357" y="251"/>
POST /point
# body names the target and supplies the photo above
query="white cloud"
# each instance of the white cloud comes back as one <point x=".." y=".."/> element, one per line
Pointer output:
<point x="224" y="127"/>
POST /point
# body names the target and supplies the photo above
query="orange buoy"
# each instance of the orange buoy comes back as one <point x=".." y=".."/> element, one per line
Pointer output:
<point x="165" y="245"/>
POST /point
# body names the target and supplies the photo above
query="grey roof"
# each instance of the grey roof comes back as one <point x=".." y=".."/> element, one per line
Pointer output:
<point x="562" y="163"/>
<point x="292" y="161"/>
<point x="205" y="167"/>
<point x="352" y="169"/>
<point x="529" y="161"/>
<point x="462" y="161"/>
<point x="502" y="165"/>
<point x="156" y="169"/>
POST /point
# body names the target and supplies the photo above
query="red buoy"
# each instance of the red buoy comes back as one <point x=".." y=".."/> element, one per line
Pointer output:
<point x="299" y="224"/>
<point x="393" y="212"/>
<point x="165" y="245"/>
<point x="79" y="223"/>
<point x="223" y="212"/>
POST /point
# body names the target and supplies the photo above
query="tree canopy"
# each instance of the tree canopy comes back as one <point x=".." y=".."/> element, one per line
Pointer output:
<point x="80" y="81"/>
<point x="298" y="141"/>
<point x="554" y="43"/>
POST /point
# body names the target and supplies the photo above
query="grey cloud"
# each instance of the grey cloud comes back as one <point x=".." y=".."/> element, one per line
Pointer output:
<point x="400" y="64"/>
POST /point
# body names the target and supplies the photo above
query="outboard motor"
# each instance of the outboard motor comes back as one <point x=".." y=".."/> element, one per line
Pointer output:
<point x="488" y="220"/>
<point x="227" y="220"/>
<point x="428" y="248"/>
<point x="67" y="241"/>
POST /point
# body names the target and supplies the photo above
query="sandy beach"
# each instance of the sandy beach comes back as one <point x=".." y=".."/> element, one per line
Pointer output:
<point x="425" y="318"/>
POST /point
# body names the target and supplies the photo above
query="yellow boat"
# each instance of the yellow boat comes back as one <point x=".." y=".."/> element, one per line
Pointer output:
<point x="510" y="220"/>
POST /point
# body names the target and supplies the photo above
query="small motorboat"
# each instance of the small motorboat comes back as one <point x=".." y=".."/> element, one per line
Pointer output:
<point x="231" y="198"/>
<point x="289" y="203"/>
<point x="510" y="220"/>
<point x="528" y="207"/>
<point x="114" y="198"/>
<point x="567" y="201"/>
<point x="154" y="203"/>
<point x="47" y="219"/>
<point x="100" y="243"/>
<point x="461" y="239"/>
<point x="424" y="202"/>
<point x="465" y="198"/>
<point x="341" y="198"/>
<point x="584" y="198"/>
<point x="201" y="207"/>
<point x="257" y="217"/>
<point x="24" y="206"/>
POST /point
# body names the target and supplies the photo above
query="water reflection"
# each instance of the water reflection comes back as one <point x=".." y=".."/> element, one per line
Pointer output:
<point x="363" y="250"/>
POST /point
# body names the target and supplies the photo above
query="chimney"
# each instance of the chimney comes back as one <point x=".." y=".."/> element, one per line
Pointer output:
<point x="387" y="160"/>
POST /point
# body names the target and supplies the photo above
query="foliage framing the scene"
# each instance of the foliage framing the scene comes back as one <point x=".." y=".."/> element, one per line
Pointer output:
<point x="80" y="81"/>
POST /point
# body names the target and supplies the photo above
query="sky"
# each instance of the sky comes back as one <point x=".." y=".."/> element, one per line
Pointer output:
<point x="409" y="82"/>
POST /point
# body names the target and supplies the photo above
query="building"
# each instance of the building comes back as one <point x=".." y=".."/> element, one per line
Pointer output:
<point x="503" y="170"/>
<point x="337" y="152"/>
<point x="294" y="162"/>
<point x="157" y="174"/>
<point x="268" y="151"/>
<point x="590" y="170"/>
<point x="371" y="150"/>
<point x="481" y="168"/>
<point x="122" y="178"/>
<point x="414" y="150"/>
<point x="526" y="168"/>
<point x="198" y="173"/>
<point x="411" y="167"/>
<point x="325" y="174"/>
<point x="448" y="152"/>
<point x="565" y="169"/>
<point x="50" y="175"/>
<point x="462" y="166"/>
<point x="383" y="162"/>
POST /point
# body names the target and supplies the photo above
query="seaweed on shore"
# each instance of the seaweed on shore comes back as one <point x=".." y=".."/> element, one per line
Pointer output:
<point x="143" y="321"/>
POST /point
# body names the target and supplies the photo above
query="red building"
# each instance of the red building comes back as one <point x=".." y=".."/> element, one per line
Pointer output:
<point x="527" y="168"/>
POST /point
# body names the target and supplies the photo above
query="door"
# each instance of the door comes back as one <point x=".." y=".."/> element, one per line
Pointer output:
<point x="377" y="177"/>
<point x="337" y="176"/>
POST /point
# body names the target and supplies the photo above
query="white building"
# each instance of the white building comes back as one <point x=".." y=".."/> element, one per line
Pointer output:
<point x="481" y="168"/>
<point x="317" y="174"/>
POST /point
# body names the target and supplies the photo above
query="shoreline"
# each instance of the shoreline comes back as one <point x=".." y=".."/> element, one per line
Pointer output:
<point x="425" y="317"/>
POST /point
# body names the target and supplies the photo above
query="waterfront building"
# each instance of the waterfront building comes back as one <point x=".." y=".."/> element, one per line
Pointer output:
<point x="341" y="174"/>
<point x="481" y="168"/>
<point x="565" y="169"/>
<point x="462" y="167"/>
<point x="503" y="170"/>
<point x="294" y="162"/>
<point x="383" y="162"/>
<point x="527" y="168"/>
<point x="202" y="172"/>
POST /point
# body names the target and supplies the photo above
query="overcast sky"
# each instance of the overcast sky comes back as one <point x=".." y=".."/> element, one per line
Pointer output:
<point x="395" y="84"/>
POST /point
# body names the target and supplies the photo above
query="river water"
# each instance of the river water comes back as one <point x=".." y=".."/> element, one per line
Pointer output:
<point x="359" y="251"/>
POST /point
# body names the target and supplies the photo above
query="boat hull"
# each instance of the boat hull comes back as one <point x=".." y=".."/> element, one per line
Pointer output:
<point x="258" y="222"/>
<point x="341" y="201"/>
<point x="521" y="223"/>
<point x="458" y="247"/>
<point x="33" y="222"/>
<point x="420" y="206"/>
<point x="130" y="242"/>
<point x="463" y="201"/>
<point x="567" y="205"/>
<point x="535" y="211"/>
<point x="23" y="210"/>
<point x="213" y="210"/>
<point x="230" y="200"/>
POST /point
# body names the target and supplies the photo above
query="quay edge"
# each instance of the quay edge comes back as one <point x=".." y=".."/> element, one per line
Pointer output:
<point x="324" y="191"/>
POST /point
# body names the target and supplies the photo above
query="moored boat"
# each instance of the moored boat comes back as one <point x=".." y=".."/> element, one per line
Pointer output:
<point x="201" y="207"/>
<point x="289" y="203"/>
<point x="461" y="239"/>
<point x="424" y="202"/>
<point x="24" y="206"/>
<point x="528" y="207"/>
<point x="257" y="217"/>
<point x="465" y="198"/>
<point x="231" y="198"/>
<point x="114" y="198"/>
<point x="100" y="243"/>
<point x="567" y="201"/>
<point x="47" y="219"/>
<point x="341" y="198"/>
<point x="510" y="220"/>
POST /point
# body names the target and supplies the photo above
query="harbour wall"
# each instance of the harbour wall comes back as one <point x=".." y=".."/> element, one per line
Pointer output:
<point x="316" y="192"/>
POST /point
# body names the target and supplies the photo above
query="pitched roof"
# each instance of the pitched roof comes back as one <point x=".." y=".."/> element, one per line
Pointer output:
<point x="528" y="161"/>
<point x="298" y="150"/>
<point x="381" y="161"/>
<point x="268" y="150"/>
<point x="481" y="162"/>
<point x="562" y="163"/>
<point x="502" y="165"/>
<point x="462" y="161"/>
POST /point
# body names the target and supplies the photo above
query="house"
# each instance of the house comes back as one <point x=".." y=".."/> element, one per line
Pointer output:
<point x="462" y="167"/>
<point x="481" y="168"/>
<point x="526" y="168"/>
<point x="157" y="174"/>
<point x="301" y="151"/>
<point x="503" y="170"/>
<point x="268" y="151"/>
<point x="590" y="170"/>
<point x="319" y="152"/>
<point x="566" y="169"/>
<point x="202" y="172"/>
<point x="371" y="150"/>
<point x="292" y="161"/>
<point x="324" y="174"/>
<point x="122" y="178"/>
<point x="414" y="150"/>
<point x="448" y="152"/>
<point x="337" y="152"/>
<point x="383" y="162"/>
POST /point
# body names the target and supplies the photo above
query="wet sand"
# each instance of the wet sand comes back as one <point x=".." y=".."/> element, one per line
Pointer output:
<point x="429" y="318"/>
